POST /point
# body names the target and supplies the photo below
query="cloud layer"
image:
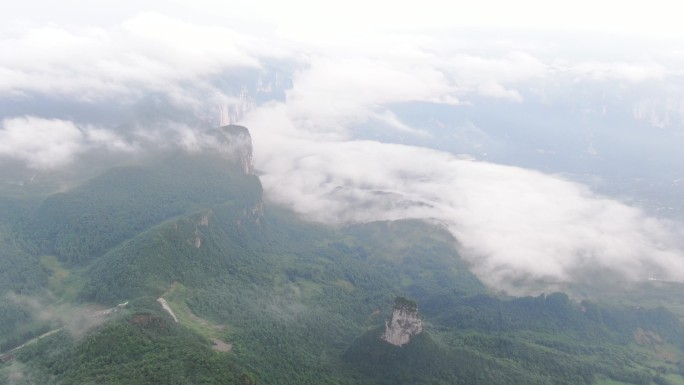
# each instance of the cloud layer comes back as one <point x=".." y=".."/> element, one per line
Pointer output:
<point x="52" y="143"/>
<point x="147" y="53"/>
<point x="515" y="226"/>
<point x="77" y="320"/>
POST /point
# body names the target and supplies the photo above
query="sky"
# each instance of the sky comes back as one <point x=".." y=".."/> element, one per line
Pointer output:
<point x="653" y="18"/>
<point x="514" y="125"/>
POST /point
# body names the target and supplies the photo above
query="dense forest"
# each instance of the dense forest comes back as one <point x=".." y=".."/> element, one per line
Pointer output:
<point x="259" y="296"/>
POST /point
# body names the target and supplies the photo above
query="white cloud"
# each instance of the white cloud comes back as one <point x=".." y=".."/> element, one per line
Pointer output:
<point x="52" y="143"/>
<point x="42" y="143"/>
<point x="103" y="138"/>
<point x="146" y="53"/>
<point x="390" y="120"/>
<point x="495" y="90"/>
<point x="514" y="226"/>
<point x="631" y="72"/>
<point x="657" y="18"/>
<point x="77" y="320"/>
<point x="337" y="91"/>
<point x="512" y="67"/>
<point x="334" y="93"/>
<point x="186" y="49"/>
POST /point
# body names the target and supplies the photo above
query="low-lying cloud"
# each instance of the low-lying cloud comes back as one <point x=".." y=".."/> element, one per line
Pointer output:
<point x="514" y="226"/>
<point x="75" y="319"/>
<point x="53" y="143"/>
<point x="145" y="53"/>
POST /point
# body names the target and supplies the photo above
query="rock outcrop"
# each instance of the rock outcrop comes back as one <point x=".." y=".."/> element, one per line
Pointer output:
<point x="405" y="323"/>
<point x="233" y="143"/>
<point x="240" y="147"/>
<point x="204" y="221"/>
<point x="165" y="306"/>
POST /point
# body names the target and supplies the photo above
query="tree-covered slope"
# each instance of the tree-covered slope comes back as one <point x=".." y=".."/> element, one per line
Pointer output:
<point x="256" y="295"/>
<point x="83" y="223"/>
<point x="142" y="346"/>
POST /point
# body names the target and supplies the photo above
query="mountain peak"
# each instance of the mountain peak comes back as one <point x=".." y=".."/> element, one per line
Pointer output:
<point x="405" y="323"/>
<point x="235" y="143"/>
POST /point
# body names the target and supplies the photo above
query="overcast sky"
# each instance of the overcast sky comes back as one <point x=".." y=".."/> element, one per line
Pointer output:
<point x="312" y="79"/>
<point x="312" y="18"/>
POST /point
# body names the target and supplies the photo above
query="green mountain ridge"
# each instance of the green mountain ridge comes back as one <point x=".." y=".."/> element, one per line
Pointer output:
<point x="262" y="296"/>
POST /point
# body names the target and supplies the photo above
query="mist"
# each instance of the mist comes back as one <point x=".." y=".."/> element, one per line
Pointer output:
<point x="76" y="320"/>
<point x="513" y="225"/>
<point x="349" y="126"/>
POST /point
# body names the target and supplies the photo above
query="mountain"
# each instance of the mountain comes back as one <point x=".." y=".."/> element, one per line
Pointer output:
<point x="405" y="323"/>
<point x="176" y="270"/>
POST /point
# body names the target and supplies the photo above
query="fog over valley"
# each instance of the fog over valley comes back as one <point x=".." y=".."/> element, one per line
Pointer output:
<point x="551" y="157"/>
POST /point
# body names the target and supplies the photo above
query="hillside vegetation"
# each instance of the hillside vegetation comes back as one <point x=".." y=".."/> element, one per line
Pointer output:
<point x="263" y="297"/>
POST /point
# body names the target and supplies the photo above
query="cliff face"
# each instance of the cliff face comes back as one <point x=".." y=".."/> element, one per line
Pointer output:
<point x="405" y="323"/>
<point x="235" y="144"/>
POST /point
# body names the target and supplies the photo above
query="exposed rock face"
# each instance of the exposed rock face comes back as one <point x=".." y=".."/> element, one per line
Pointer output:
<point x="166" y="307"/>
<point x="405" y="323"/>
<point x="239" y="147"/>
<point x="233" y="112"/>
<point x="204" y="221"/>
<point x="255" y="213"/>
<point x="233" y="143"/>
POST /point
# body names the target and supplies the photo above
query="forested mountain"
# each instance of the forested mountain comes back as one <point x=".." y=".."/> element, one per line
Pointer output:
<point x="175" y="271"/>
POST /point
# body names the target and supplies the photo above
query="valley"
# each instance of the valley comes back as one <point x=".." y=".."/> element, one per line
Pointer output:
<point x="204" y="282"/>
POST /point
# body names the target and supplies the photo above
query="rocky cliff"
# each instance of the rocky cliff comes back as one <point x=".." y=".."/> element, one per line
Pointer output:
<point x="234" y="143"/>
<point x="405" y="323"/>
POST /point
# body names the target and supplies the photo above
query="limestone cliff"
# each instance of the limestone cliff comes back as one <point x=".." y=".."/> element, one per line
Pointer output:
<point x="240" y="147"/>
<point x="405" y="323"/>
<point x="233" y="143"/>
